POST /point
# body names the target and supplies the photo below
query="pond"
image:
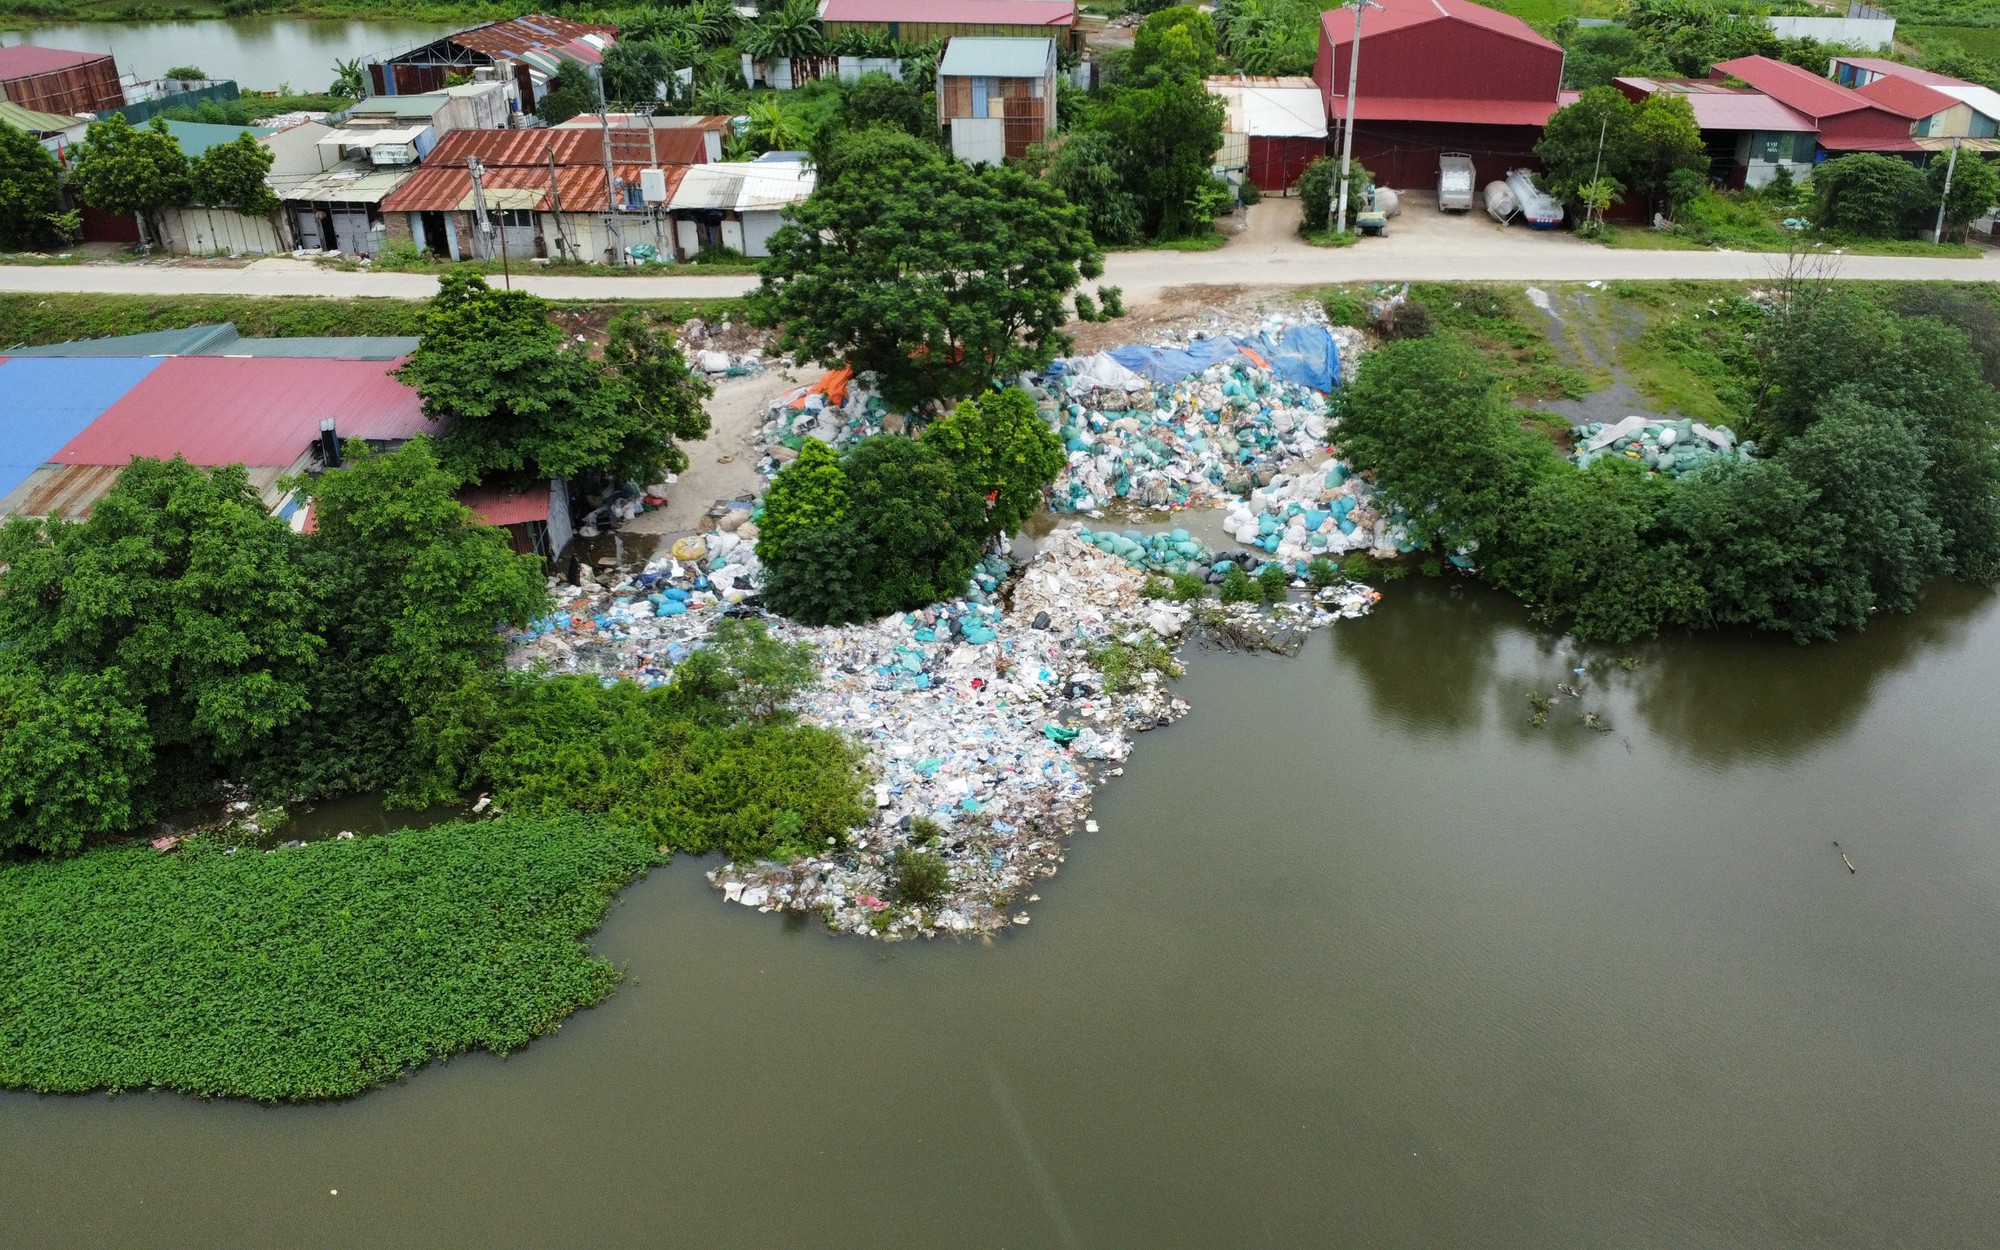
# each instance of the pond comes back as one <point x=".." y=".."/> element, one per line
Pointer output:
<point x="260" y="53"/>
<point x="1359" y="958"/>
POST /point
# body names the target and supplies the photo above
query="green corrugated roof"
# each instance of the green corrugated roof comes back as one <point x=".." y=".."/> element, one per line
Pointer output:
<point x="223" y="340"/>
<point x="198" y="137"/>
<point x="18" y="118"/>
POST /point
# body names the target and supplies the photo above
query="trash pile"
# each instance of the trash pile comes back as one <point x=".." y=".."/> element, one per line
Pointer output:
<point x="1180" y="427"/>
<point x="989" y="715"/>
<point x="997" y="726"/>
<point x="1320" y="511"/>
<point x="838" y="410"/>
<point x="1669" y="447"/>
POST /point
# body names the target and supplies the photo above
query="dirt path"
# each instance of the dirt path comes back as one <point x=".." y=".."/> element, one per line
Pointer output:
<point x="723" y="465"/>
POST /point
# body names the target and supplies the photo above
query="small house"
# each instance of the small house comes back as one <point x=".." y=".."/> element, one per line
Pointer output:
<point x="522" y="51"/>
<point x="199" y="231"/>
<point x="737" y="205"/>
<point x="1973" y="114"/>
<point x="996" y="97"/>
<point x="924" y="21"/>
<point x="1847" y="120"/>
<point x="58" y="132"/>
<point x="1749" y="135"/>
<point x="1272" y="128"/>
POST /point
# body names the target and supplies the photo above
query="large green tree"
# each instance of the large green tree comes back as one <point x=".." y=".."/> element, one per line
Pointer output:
<point x="233" y="175"/>
<point x="75" y="758"/>
<point x="1170" y="131"/>
<point x="1975" y="188"/>
<point x="123" y="170"/>
<point x="1591" y="138"/>
<point x="1873" y="196"/>
<point x="655" y="384"/>
<point x="1000" y="446"/>
<point x="30" y="189"/>
<point x="1089" y="168"/>
<point x="938" y="281"/>
<point x="517" y="400"/>
<point x="183" y="584"/>
<point x="1177" y="41"/>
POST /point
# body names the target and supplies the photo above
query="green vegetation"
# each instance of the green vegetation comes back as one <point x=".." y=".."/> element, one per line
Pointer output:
<point x="1504" y="326"/>
<point x="1125" y="664"/>
<point x="123" y="170"/>
<point x="250" y="109"/>
<point x="683" y="766"/>
<point x="1317" y="188"/>
<point x="183" y="634"/>
<point x="937" y="276"/>
<point x="518" y="401"/>
<point x="30" y="190"/>
<point x="896" y="523"/>
<point x="918" y="877"/>
<point x="1605" y="144"/>
<point x="300" y="974"/>
<point x="1877" y="470"/>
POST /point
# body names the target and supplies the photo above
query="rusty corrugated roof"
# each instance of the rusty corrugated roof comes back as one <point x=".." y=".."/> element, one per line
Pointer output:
<point x="580" y="188"/>
<point x="571" y="146"/>
<point x="516" y="35"/>
<point x="71" y="490"/>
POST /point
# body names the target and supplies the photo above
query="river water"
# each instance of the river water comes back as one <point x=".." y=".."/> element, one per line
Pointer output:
<point x="1359" y="958"/>
<point x="260" y="53"/>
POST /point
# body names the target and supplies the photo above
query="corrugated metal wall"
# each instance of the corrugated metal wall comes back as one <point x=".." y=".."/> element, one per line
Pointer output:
<point x="201" y="231"/>
<point x="1444" y="60"/>
<point x="91" y="87"/>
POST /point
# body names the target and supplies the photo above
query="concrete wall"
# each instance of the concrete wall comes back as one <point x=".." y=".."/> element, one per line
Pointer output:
<point x="202" y="231"/>
<point x="1875" y="34"/>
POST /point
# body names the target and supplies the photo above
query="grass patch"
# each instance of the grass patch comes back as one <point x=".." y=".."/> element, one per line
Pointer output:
<point x="307" y="973"/>
<point x="1331" y="238"/>
<point x="1979" y="40"/>
<point x="1510" y="332"/>
<point x="28" y="319"/>
<point x="1193" y="243"/>
<point x="1747" y="221"/>
<point x="1125" y="664"/>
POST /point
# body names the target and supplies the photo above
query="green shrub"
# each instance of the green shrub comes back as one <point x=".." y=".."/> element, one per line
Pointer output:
<point x="1272" y="581"/>
<point x="1125" y="664"/>
<point x="1237" y="587"/>
<point x="1357" y="567"/>
<point x="1249" y="192"/>
<point x="1322" y="573"/>
<point x="918" y="877"/>
<point x="1433" y="568"/>
<point x="1114" y="300"/>
<point x="1086" y="307"/>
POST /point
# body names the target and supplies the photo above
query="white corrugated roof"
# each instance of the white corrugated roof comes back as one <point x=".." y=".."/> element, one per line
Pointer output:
<point x="1271" y="108"/>
<point x="1983" y="99"/>
<point x="981" y="57"/>
<point x="744" y="186"/>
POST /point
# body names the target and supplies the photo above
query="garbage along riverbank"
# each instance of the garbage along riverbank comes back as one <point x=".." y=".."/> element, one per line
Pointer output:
<point x="988" y="721"/>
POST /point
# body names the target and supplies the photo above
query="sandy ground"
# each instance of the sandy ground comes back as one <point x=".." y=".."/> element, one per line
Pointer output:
<point x="723" y="465"/>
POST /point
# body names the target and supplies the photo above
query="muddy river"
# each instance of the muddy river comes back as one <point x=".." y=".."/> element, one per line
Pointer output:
<point x="1359" y="958"/>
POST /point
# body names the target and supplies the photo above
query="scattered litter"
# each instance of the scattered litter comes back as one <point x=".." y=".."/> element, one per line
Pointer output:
<point x="1670" y="447"/>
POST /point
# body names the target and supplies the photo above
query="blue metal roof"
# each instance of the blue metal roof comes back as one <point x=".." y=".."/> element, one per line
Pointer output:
<point x="46" y="403"/>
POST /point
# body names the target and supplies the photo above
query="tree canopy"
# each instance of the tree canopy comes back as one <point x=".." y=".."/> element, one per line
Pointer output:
<point x="30" y="189"/>
<point x="939" y="280"/>
<point x="517" y="400"/>
<point x="123" y="170"/>
<point x="232" y="175"/>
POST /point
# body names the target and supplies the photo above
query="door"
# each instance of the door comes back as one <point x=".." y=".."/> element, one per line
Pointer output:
<point x="437" y="234"/>
<point x="687" y="239"/>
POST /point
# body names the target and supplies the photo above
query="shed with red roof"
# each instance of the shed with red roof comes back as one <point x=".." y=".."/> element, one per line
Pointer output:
<point x="1438" y="76"/>
<point x="56" y="80"/>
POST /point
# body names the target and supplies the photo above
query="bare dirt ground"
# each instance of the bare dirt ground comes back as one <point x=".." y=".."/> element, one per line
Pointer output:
<point x="723" y="465"/>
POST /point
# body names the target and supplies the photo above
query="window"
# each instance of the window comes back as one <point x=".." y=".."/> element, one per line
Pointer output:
<point x="516" y="219"/>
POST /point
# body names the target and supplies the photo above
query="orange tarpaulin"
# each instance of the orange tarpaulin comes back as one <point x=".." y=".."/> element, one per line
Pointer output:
<point x="833" y="386"/>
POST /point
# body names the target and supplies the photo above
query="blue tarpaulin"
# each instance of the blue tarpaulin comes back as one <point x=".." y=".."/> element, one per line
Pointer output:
<point x="1171" y="364"/>
<point x="1302" y="354"/>
<point x="46" y="402"/>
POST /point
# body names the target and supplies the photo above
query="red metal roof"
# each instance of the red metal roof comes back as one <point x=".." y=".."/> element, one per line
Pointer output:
<point x="1905" y="98"/>
<point x="1896" y="69"/>
<point x="25" y="61"/>
<point x="1337" y="25"/>
<point x="1427" y="109"/>
<point x="497" y="506"/>
<point x="511" y="38"/>
<point x="231" y="410"/>
<point x="1801" y="89"/>
<point x="1723" y="108"/>
<point x="580" y="188"/>
<point x="953" y="12"/>
<point x="578" y="146"/>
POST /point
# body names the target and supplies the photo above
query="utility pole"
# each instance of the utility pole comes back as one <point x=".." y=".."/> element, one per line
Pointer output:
<point x="610" y="179"/>
<point x="555" y="198"/>
<point x="477" y="169"/>
<point x="1347" y="133"/>
<point x="1597" y="169"/>
<point x="1937" y="236"/>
